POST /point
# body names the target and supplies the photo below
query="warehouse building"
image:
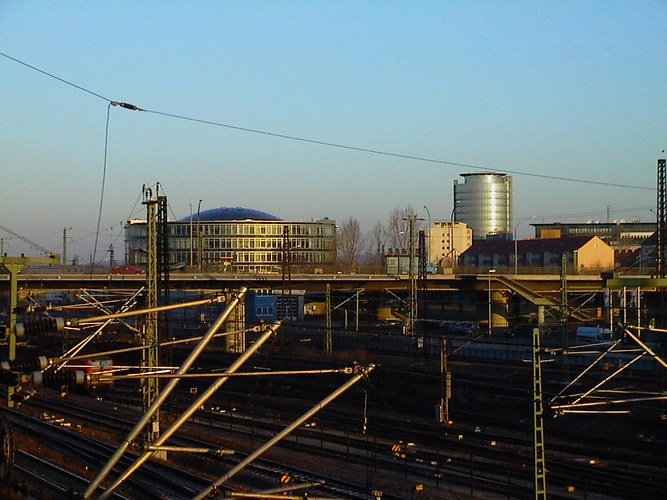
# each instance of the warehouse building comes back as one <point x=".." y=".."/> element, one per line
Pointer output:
<point x="622" y="236"/>
<point x="583" y="254"/>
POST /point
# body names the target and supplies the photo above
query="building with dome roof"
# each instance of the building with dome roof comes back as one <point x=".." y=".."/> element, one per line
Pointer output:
<point x="240" y="239"/>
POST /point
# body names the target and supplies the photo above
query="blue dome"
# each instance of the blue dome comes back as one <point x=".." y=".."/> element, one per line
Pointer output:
<point x="231" y="213"/>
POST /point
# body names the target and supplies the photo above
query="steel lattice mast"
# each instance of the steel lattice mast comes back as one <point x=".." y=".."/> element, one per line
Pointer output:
<point x="662" y="221"/>
<point x="538" y="421"/>
<point x="412" y="261"/>
<point x="150" y="356"/>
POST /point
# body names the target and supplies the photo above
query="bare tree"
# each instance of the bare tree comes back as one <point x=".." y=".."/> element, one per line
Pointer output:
<point x="350" y="242"/>
<point x="376" y="240"/>
<point x="398" y="228"/>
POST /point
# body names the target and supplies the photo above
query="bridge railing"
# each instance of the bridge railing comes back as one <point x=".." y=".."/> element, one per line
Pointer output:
<point x="529" y="270"/>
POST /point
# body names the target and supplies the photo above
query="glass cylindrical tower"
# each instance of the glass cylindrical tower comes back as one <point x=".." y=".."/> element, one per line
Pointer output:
<point x="484" y="203"/>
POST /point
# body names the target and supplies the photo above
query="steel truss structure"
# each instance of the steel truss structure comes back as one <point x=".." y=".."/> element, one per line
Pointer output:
<point x="174" y="375"/>
<point x="617" y="354"/>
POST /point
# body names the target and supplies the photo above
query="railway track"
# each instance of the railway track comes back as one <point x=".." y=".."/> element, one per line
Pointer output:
<point x="614" y="465"/>
<point x="157" y="480"/>
<point x="52" y="481"/>
<point x="481" y="454"/>
<point x="270" y="471"/>
<point x="432" y="460"/>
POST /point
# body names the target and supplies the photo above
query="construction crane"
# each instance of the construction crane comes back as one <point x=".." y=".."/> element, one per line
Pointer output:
<point x="51" y="255"/>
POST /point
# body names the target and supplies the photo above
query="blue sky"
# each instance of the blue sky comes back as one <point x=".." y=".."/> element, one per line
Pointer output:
<point x="551" y="89"/>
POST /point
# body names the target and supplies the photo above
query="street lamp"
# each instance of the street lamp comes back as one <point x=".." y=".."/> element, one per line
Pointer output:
<point x="199" y="240"/>
<point x="401" y="246"/>
<point x="452" y="251"/>
<point x="65" y="229"/>
<point x="191" y="239"/>
<point x="428" y="233"/>
<point x="516" y="244"/>
<point x="491" y="271"/>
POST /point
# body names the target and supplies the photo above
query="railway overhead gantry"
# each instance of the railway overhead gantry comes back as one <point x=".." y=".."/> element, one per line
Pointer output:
<point x="637" y="338"/>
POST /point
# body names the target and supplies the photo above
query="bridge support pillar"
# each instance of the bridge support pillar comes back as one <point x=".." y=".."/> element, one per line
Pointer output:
<point x="540" y="317"/>
<point x="498" y="310"/>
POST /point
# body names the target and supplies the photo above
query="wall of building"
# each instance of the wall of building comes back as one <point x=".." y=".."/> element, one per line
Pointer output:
<point x="241" y="246"/>
<point x="447" y="241"/>
<point x="622" y="236"/>
<point x="587" y="254"/>
<point x="595" y="254"/>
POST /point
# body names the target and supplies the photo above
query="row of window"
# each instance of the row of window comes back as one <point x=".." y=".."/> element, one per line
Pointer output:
<point x="269" y="257"/>
<point x="584" y="231"/>
<point x="264" y="311"/>
<point x="250" y="243"/>
<point x="250" y="229"/>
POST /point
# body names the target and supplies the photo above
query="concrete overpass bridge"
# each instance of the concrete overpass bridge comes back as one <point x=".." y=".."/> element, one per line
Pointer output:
<point x="543" y="292"/>
<point x="531" y="286"/>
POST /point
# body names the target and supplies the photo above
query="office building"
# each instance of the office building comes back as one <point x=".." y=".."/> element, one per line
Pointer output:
<point x="237" y="239"/>
<point x="484" y="202"/>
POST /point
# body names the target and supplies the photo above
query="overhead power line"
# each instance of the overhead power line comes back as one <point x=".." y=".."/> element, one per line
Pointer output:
<point x="331" y="144"/>
<point x="395" y="155"/>
<point x="596" y="212"/>
<point x="83" y="89"/>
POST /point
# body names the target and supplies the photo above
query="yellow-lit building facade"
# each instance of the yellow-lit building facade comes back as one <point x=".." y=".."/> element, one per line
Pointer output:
<point x="446" y="241"/>
<point x="583" y="254"/>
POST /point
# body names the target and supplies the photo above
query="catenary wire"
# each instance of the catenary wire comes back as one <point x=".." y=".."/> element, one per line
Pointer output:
<point x="83" y="89"/>
<point x="333" y="144"/>
<point x="104" y="176"/>
<point x="592" y="213"/>
<point x="394" y="155"/>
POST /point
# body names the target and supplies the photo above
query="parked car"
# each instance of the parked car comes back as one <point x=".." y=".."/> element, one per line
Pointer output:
<point x="126" y="270"/>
